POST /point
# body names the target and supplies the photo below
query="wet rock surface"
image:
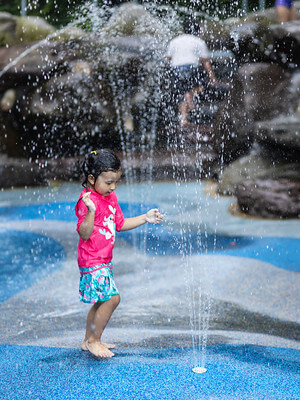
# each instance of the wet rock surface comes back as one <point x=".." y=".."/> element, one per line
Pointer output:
<point x="20" y="172"/>
<point x="256" y="165"/>
<point x="282" y="134"/>
<point x="268" y="91"/>
<point x="232" y="129"/>
<point x="270" y="198"/>
<point x="15" y="30"/>
<point x="259" y="92"/>
<point x="286" y="43"/>
<point x="185" y="164"/>
<point x="270" y="98"/>
<point x="60" y="107"/>
<point x="258" y="37"/>
<point x="8" y="25"/>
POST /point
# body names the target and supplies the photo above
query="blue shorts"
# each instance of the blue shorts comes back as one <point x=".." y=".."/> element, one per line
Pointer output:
<point x="97" y="284"/>
<point x="284" y="3"/>
<point x="187" y="77"/>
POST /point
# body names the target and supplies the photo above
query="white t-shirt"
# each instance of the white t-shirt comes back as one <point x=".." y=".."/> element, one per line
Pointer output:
<point x="186" y="50"/>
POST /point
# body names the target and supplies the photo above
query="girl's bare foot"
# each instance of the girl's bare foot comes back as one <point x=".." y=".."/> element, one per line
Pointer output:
<point x="98" y="349"/>
<point x="107" y="345"/>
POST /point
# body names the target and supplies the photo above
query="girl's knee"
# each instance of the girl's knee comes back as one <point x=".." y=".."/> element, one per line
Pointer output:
<point x="115" y="300"/>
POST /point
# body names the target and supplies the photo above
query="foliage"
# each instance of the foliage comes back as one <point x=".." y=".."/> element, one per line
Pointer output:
<point x="55" y="12"/>
<point x="11" y="6"/>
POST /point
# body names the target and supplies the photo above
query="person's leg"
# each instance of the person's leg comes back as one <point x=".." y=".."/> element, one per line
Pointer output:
<point x="283" y="13"/>
<point x="188" y="104"/>
<point x="89" y="324"/>
<point x="97" y="320"/>
<point x="183" y="113"/>
<point x="188" y="98"/>
<point x="293" y="14"/>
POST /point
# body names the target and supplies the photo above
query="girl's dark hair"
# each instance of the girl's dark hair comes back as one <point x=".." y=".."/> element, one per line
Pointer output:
<point x="99" y="161"/>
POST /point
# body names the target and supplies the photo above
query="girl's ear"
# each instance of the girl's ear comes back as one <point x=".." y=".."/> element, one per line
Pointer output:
<point x="91" y="179"/>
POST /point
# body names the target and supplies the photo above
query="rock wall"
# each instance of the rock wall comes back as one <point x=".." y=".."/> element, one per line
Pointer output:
<point x="74" y="90"/>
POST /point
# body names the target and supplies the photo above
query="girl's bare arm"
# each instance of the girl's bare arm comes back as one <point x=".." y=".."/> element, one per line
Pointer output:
<point x="152" y="216"/>
<point x="86" y="227"/>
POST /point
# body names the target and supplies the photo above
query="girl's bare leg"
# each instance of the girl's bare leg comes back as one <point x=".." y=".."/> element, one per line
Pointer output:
<point x="293" y="14"/>
<point x="97" y="319"/>
<point x="89" y="324"/>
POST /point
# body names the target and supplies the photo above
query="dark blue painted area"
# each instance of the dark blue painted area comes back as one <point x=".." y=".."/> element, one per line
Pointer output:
<point x="63" y="211"/>
<point x="24" y="258"/>
<point x="48" y="211"/>
<point x="281" y="252"/>
<point x="234" y="372"/>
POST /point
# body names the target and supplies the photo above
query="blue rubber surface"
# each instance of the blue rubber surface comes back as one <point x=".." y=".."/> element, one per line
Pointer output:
<point x="24" y="258"/>
<point x="233" y="372"/>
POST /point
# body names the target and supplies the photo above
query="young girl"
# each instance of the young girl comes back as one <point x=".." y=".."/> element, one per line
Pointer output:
<point x="99" y="216"/>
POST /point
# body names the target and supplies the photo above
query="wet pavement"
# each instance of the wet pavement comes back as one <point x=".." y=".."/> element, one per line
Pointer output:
<point x="205" y="288"/>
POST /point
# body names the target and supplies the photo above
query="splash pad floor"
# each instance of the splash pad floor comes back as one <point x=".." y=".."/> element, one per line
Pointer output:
<point x="234" y="372"/>
<point x="249" y="271"/>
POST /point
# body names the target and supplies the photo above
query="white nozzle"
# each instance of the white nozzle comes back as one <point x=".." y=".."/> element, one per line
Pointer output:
<point x="199" y="370"/>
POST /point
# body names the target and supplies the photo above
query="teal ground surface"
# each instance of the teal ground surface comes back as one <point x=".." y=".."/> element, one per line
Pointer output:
<point x="233" y="372"/>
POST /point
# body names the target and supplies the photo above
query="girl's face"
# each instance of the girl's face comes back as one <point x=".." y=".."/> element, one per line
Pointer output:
<point x="106" y="182"/>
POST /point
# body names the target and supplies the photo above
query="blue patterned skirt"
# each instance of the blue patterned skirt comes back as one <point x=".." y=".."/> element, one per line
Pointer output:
<point x="97" y="283"/>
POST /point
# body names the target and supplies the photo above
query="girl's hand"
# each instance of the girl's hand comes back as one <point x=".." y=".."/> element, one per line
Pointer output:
<point x="88" y="202"/>
<point x="154" y="216"/>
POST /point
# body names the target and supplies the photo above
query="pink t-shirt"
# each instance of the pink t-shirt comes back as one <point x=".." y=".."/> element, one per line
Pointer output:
<point x="98" y="249"/>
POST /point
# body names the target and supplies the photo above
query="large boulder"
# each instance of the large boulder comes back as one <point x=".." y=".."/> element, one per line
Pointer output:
<point x="259" y="92"/>
<point x="270" y="198"/>
<point x="256" y="165"/>
<point x="285" y="49"/>
<point x="29" y="65"/>
<point x="232" y="131"/>
<point x="251" y="42"/>
<point x="280" y="134"/>
<point x="258" y="37"/>
<point x="20" y="30"/>
<point x="132" y="19"/>
<point x="69" y="111"/>
<point x="267" y="91"/>
<point x="19" y="173"/>
<point x="215" y="33"/>
<point x="8" y="24"/>
<point x="33" y="29"/>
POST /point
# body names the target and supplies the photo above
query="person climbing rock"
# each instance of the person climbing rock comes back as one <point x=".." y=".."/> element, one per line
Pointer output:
<point x="192" y="70"/>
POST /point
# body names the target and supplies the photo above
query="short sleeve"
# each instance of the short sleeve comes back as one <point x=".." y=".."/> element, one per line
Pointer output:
<point x="169" y="52"/>
<point x="81" y="211"/>
<point x="119" y="219"/>
<point x="202" y="49"/>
